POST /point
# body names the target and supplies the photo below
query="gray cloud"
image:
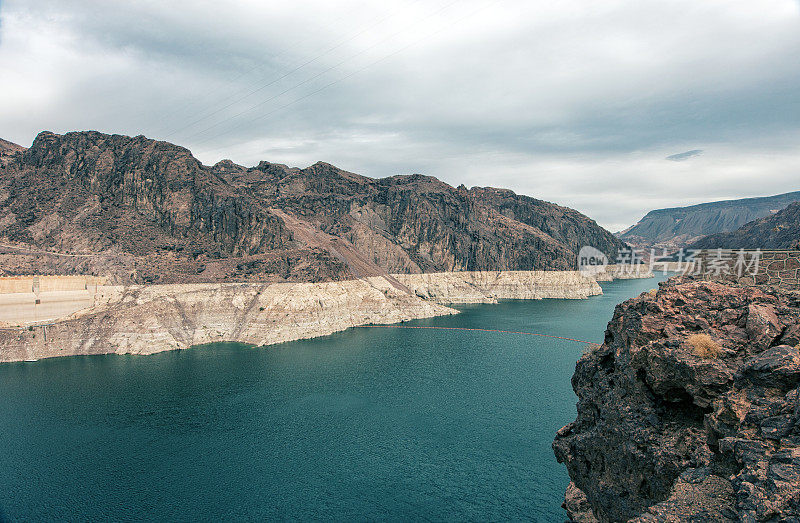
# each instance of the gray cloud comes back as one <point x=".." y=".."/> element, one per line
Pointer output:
<point x="574" y="102"/>
<point x="682" y="157"/>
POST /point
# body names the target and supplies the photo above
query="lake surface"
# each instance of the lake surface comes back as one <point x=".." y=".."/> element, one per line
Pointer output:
<point x="370" y="423"/>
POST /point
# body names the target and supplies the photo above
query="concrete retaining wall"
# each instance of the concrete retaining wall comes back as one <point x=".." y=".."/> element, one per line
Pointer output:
<point x="14" y="284"/>
<point x="35" y="299"/>
<point x="24" y="308"/>
<point x="34" y="283"/>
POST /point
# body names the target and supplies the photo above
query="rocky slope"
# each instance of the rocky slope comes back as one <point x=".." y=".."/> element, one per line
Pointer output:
<point x="669" y="432"/>
<point x="8" y="149"/>
<point x="149" y="212"/>
<point x="144" y="319"/>
<point x="679" y="226"/>
<point x="779" y="231"/>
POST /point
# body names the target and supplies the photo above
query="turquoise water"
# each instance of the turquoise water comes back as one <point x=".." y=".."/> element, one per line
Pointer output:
<point x="366" y="424"/>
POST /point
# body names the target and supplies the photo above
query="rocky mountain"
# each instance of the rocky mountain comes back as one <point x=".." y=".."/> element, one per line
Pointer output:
<point x="690" y="410"/>
<point x="680" y="226"/>
<point x="7" y="151"/>
<point x="779" y="231"/>
<point x="147" y="211"/>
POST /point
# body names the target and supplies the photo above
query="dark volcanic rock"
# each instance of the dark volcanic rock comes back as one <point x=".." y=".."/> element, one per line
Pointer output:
<point x="145" y="181"/>
<point x="663" y="434"/>
<point x="155" y="213"/>
<point x="779" y="231"/>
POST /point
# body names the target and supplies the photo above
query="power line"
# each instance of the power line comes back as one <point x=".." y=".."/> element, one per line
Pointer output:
<point x="174" y="112"/>
<point x="349" y="75"/>
<point x="314" y="77"/>
<point x="289" y="73"/>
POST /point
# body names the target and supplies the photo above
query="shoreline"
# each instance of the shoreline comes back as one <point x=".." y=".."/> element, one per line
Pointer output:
<point x="156" y="318"/>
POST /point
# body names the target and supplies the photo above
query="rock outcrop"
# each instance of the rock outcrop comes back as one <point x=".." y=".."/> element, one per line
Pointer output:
<point x="671" y="431"/>
<point x="145" y="211"/>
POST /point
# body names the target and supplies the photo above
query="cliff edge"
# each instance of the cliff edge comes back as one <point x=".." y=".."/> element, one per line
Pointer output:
<point x="689" y="409"/>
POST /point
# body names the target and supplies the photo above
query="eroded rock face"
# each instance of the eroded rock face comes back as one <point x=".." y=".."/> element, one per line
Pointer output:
<point x="154" y="318"/>
<point x="490" y="286"/>
<point x="663" y="434"/>
<point x="150" y="212"/>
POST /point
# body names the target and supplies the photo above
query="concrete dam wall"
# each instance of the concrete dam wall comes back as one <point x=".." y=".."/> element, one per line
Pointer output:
<point x="34" y="283"/>
<point x="40" y="299"/>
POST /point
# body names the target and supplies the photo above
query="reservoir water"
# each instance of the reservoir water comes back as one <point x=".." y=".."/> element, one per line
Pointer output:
<point x="370" y="423"/>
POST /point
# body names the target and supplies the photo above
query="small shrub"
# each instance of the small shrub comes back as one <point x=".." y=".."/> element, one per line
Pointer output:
<point x="652" y="292"/>
<point x="704" y="346"/>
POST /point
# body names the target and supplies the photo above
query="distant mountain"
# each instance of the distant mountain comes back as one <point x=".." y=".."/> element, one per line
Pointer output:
<point x="679" y="226"/>
<point x="142" y="210"/>
<point x="779" y="231"/>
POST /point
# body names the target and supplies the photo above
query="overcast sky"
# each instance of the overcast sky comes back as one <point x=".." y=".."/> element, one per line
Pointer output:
<point x="613" y="108"/>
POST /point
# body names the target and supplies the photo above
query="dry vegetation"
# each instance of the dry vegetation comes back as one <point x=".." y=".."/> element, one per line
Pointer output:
<point x="704" y="346"/>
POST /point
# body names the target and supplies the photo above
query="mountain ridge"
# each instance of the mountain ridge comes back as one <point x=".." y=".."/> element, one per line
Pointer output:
<point x="779" y="231"/>
<point x="677" y="227"/>
<point x="152" y="212"/>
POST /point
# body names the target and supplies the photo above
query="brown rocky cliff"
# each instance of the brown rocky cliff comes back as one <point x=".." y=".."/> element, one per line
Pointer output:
<point x="664" y="434"/>
<point x="155" y="181"/>
<point x="158" y="215"/>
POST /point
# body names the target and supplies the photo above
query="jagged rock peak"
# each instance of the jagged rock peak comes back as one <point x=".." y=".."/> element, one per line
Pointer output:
<point x="226" y="164"/>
